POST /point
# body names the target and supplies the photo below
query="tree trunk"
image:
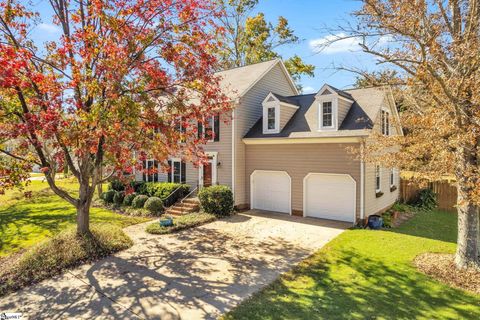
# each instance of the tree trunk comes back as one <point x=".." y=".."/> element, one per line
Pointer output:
<point x="83" y="209"/>
<point x="83" y="219"/>
<point x="468" y="231"/>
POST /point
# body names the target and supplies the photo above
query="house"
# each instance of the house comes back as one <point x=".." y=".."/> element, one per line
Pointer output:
<point x="294" y="153"/>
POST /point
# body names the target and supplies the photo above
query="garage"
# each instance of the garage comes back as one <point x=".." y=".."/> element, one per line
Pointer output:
<point x="271" y="191"/>
<point x="329" y="196"/>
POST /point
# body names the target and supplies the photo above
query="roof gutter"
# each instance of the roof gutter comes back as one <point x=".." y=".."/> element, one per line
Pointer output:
<point x="351" y="139"/>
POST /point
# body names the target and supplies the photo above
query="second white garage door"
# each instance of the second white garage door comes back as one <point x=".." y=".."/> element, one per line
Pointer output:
<point x="270" y="190"/>
<point x="329" y="196"/>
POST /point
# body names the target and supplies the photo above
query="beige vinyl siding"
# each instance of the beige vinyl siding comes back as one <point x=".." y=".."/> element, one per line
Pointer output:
<point x="286" y="114"/>
<point x="300" y="159"/>
<point x="372" y="203"/>
<point x="311" y="116"/>
<point x="343" y="107"/>
<point x="224" y="156"/>
<point x="248" y="113"/>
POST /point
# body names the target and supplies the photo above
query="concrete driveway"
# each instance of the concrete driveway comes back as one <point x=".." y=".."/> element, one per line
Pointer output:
<point x="195" y="274"/>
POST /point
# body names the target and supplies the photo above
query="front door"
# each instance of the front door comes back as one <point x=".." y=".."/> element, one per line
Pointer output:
<point x="207" y="174"/>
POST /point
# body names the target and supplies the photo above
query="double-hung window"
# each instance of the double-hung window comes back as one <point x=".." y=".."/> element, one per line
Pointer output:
<point x="210" y="129"/>
<point x="385" y="118"/>
<point x="177" y="171"/>
<point x="150" y="172"/>
<point x="271" y="118"/>
<point x="392" y="177"/>
<point x="327" y="114"/>
<point x="378" y="185"/>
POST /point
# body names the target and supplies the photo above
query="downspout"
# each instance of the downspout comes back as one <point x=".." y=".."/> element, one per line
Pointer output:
<point x="237" y="101"/>
<point x="362" y="180"/>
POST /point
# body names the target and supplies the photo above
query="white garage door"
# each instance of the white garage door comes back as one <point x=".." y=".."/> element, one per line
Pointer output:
<point x="270" y="190"/>
<point x="329" y="196"/>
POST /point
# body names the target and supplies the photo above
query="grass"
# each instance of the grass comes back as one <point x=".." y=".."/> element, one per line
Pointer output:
<point x="26" y="221"/>
<point x="182" y="222"/>
<point x="64" y="250"/>
<point x="364" y="274"/>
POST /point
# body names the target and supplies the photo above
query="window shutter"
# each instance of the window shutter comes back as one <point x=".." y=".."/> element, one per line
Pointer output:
<point x="200" y="130"/>
<point x="169" y="171"/>
<point x="144" y="166"/>
<point x="183" y="179"/>
<point x="155" y="167"/>
<point x="216" y="127"/>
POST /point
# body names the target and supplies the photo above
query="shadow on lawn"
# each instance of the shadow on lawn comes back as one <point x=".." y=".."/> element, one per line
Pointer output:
<point x="354" y="287"/>
<point x="205" y="272"/>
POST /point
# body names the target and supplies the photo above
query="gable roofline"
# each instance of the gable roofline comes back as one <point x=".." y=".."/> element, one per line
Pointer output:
<point x="335" y="91"/>
<point x="285" y="71"/>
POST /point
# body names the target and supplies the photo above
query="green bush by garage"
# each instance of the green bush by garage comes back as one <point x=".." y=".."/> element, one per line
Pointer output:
<point x="216" y="200"/>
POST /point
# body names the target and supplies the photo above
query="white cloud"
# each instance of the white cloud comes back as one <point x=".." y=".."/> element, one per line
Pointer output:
<point x="340" y="43"/>
<point x="325" y="44"/>
<point x="48" y="27"/>
<point x="308" y="89"/>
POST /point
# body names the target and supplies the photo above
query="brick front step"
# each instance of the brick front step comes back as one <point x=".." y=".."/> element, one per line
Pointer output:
<point x="188" y="206"/>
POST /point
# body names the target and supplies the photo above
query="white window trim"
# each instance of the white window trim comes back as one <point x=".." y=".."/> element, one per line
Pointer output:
<point x="392" y="175"/>
<point x="266" y="106"/>
<point x="334" y="100"/>
<point x="210" y="118"/>
<point x="146" y="174"/>
<point x="170" y="173"/>
<point x="384" y="119"/>
<point x="214" y="162"/>
<point x="332" y="113"/>
<point x="379" y="189"/>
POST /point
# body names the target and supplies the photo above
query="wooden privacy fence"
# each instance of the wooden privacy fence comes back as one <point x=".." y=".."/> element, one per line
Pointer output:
<point x="446" y="193"/>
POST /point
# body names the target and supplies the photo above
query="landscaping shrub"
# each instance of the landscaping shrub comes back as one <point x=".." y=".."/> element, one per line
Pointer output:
<point x="64" y="250"/>
<point x="127" y="200"/>
<point x="154" y="205"/>
<point x="163" y="190"/>
<point x="118" y="197"/>
<point x="139" y="201"/>
<point x="138" y="187"/>
<point x="108" y="196"/>
<point x="116" y="185"/>
<point x="217" y="200"/>
<point x="426" y="199"/>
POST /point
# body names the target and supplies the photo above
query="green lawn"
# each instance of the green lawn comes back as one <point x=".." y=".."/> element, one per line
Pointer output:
<point x="26" y="221"/>
<point x="365" y="274"/>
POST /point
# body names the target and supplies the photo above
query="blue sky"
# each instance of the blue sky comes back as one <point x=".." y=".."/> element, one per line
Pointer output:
<point x="307" y="18"/>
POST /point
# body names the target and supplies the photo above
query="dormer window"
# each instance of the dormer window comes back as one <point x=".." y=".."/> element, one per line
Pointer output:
<point x="271" y="118"/>
<point x="327" y="115"/>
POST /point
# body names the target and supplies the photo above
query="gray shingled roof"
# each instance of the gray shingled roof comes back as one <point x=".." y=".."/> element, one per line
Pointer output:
<point x="237" y="81"/>
<point x="358" y="121"/>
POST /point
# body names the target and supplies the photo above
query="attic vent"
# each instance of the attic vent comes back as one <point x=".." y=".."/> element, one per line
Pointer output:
<point x="325" y="92"/>
<point x="271" y="99"/>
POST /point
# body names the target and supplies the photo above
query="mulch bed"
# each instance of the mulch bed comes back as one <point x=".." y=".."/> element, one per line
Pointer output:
<point x="442" y="267"/>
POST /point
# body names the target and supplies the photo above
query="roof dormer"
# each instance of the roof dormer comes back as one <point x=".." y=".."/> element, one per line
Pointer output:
<point x="332" y="105"/>
<point x="277" y="111"/>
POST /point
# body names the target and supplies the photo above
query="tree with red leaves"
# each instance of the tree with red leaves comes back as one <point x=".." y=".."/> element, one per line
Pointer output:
<point x="110" y="92"/>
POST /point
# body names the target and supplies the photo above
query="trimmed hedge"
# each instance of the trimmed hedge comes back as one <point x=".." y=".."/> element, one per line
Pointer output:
<point x="127" y="200"/>
<point x="118" y="197"/>
<point x="154" y="205"/>
<point x="108" y="196"/>
<point x="139" y="201"/>
<point x="217" y="200"/>
<point x="163" y="190"/>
